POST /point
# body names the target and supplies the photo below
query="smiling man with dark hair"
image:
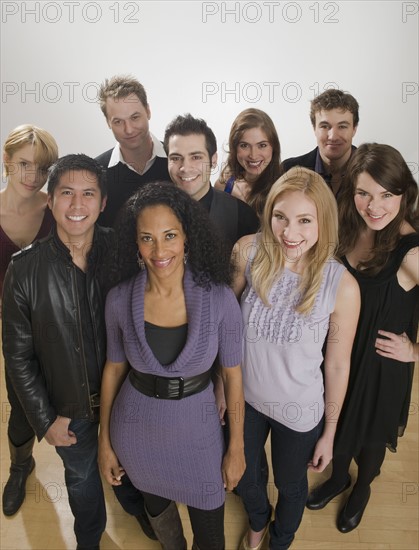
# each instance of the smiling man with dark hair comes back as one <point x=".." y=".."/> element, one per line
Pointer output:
<point x="54" y="339"/>
<point x="334" y="115"/>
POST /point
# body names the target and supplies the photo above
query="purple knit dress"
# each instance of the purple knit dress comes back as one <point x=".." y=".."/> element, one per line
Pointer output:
<point x="173" y="448"/>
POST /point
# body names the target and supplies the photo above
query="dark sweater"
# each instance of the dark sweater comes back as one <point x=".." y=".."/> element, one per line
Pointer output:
<point x="122" y="182"/>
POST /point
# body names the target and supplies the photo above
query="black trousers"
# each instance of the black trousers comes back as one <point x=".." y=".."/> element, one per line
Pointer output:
<point x="129" y="497"/>
<point x="19" y="430"/>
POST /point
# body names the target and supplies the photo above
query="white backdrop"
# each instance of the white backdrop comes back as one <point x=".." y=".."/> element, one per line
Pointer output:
<point x="212" y="59"/>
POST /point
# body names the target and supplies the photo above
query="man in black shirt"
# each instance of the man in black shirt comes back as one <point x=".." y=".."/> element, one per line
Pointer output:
<point x="191" y="149"/>
<point x="138" y="157"/>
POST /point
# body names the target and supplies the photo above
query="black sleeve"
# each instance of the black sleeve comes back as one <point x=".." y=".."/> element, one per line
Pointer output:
<point x="248" y="222"/>
<point x="21" y="362"/>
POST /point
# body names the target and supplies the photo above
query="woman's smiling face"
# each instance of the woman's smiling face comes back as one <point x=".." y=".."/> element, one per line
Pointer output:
<point x="376" y="206"/>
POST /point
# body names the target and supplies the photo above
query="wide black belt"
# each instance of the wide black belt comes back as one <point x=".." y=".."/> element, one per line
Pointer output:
<point x="162" y="387"/>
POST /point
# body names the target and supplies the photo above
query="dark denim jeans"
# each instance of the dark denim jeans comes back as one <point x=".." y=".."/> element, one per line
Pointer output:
<point x="129" y="497"/>
<point x="291" y="452"/>
<point x="84" y="486"/>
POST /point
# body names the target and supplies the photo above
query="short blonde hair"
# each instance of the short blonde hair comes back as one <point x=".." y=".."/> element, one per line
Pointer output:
<point x="270" y="259"/>
<point x="46" y="148"/>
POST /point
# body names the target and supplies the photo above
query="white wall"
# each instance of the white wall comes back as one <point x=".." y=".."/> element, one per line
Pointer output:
<point x="212" y="59"/>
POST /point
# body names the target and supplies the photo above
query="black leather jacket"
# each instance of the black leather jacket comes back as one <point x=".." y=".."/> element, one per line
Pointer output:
<point x="43" y="344"/>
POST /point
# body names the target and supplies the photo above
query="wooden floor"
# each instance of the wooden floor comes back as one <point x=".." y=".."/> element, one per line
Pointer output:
<point x="390" y="520"/>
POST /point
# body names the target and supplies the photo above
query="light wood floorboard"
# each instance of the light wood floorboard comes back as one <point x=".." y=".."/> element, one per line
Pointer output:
<point x="390" y="522"/>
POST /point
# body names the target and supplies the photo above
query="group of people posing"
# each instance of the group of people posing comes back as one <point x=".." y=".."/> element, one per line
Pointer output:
<point x="159" y="328"/>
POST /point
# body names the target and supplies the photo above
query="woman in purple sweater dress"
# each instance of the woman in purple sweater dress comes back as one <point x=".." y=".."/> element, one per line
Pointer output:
<point x="167" y="321"/>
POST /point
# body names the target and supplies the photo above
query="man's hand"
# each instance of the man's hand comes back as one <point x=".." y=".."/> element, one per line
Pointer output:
<point x="58" y="433"/>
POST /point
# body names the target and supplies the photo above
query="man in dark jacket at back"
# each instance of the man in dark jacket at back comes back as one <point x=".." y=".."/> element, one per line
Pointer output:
<point x="54" y="339"/>
<point x="334" y="116"/>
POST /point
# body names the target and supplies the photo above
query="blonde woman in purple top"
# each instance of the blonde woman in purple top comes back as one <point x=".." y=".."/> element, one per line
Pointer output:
<point x="28" y="152"/>
<point x="294" y="295"/>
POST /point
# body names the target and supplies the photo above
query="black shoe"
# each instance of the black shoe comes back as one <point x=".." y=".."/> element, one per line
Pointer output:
<point x="347" y="524"/>
<point x="146" y="526"/>
<point x="15" y="489"/>
<point x="87" y="547"/>
<point x="318" y="497"/>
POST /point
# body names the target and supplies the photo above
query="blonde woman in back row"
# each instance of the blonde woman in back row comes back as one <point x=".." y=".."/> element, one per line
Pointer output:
<point x="28" y="152"/>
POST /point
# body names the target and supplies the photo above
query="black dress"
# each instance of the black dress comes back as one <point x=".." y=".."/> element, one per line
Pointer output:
<point x="378" y="396"/>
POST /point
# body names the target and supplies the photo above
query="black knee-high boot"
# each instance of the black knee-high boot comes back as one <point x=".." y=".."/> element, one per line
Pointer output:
<point x="22" y="464"/>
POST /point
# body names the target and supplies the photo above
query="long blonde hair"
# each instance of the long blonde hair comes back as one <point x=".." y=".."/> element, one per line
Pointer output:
<point x="269" y="260"/>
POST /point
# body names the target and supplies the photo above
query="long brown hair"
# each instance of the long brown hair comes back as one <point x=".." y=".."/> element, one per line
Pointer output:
<point x="388" y="168"/>
<point x="247" y="119"/>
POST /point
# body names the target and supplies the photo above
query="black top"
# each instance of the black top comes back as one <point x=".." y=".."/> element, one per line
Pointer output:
<point x="312" y="161"/>
<point x="94" y="375"/>
<point x="122" y="182"/>
<point x="378" y="396"/>
<point x="174" y="339"/>
<point x="233" y="217"/>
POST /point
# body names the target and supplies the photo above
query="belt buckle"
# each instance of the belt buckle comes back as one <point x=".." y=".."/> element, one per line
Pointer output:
<point x="157" y="392"/>
<point x="181" y="386"/>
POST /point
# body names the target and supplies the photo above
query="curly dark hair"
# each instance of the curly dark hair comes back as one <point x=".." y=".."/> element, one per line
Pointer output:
<point x="334" y="99"/>
<point x="208" y="256"/>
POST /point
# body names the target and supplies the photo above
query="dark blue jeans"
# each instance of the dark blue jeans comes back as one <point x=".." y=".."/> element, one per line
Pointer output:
<point x="84" y="486"/>
<point x="129" y="497"/>
<point x="291" y="452"/>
